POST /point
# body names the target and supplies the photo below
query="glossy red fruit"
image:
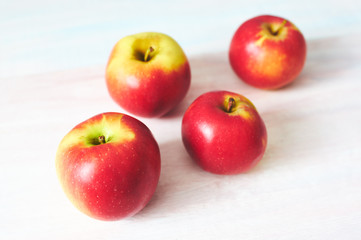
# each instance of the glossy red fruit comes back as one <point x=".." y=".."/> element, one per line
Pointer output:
<point x="267" y="52"/>
<point x="223" y="133"/>
<point x="109" y="166"/>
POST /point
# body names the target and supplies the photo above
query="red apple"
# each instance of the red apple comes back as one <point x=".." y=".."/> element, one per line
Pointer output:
<point x="223" y="133"/>
<point x="109" y="166"/>
<point x="267" y="52"/>
<point x="148" y="74"/>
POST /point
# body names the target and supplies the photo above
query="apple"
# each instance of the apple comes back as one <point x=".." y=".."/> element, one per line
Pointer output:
<point x="223" y="133"/>
<point x="267" y="52"/>
<point x="148" y="74"/>
<point x="109" y="166"/>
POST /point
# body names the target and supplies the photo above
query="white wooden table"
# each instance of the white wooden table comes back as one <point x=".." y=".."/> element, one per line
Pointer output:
<point x="308" y="186"/>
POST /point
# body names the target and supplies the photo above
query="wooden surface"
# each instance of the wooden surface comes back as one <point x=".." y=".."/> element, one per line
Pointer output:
<point x="308" y="185"/>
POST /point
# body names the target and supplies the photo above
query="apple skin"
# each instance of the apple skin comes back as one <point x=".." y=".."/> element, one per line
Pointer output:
<point x="148" y="88"/>
<point x="224" y="142"/>
<point x="114" y="179"/>
<point x="265" y="58"/>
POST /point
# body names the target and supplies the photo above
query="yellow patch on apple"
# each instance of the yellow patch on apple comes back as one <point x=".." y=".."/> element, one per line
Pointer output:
<point x="270" y="63"/>
<point x="90" y="132"/>
<point x="158" y="46"/>
<point x="236" y="106"/>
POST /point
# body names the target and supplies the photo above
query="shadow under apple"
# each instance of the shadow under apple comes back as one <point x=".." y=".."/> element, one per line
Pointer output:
<point x="178" y="172"/>
<point x="184" y="186"/>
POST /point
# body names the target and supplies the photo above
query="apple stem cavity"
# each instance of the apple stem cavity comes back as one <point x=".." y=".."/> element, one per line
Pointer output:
<point x="147" y="54"/>
<point x="101" y="139"/>
<point x="275" y="33"/>
<point x="230" y="105"/>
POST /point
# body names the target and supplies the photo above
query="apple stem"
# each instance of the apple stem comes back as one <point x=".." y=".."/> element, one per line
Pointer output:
<point x="275" y="33"/>
<point x="101" y="139"/>
<point x="231" y="102"/>
<point x="147" y="53"/>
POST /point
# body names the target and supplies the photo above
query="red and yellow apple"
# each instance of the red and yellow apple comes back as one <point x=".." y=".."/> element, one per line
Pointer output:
<point x="148" y="74"/>
<point x="109" y="166"/>
<point x="223" y="133"/>
<point x="267" y="52"/>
